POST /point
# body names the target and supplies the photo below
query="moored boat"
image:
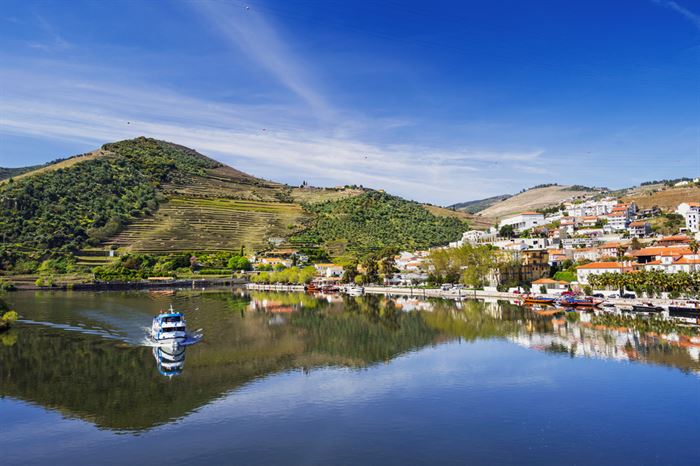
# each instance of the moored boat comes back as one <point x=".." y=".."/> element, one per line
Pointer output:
<point x="572" y="301"/>
<point x="353" y="290"/>
<point x="646" y="308"/>
<point x="539" y="300"/>
<point x="684" y="311"/>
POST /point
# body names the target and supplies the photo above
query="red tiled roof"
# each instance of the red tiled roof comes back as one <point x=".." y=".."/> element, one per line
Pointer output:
<point x="662" y="251"/>
<point x="604" y="265"/>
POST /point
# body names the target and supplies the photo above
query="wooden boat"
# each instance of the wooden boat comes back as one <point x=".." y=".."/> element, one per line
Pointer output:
<point x="539" y="300"/>
<point x="312" y="288"/>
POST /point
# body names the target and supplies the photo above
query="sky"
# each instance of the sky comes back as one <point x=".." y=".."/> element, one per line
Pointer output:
<point x="437" y="101"/>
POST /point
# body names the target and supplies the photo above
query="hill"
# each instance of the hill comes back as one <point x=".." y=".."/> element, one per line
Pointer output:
<point x="665" y="197"/>
<point x="374" y="220"/>
<point x="478" y="205"/>
<point x="535" y="198"/>
<point x="145" y="195"/>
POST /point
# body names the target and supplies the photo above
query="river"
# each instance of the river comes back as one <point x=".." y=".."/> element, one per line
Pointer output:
<point x="289" y="378"/>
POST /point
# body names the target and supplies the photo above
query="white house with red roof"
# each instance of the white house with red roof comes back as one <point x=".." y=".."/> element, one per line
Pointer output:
<point x="639" y="229"/>
<point x="583" y="272"/>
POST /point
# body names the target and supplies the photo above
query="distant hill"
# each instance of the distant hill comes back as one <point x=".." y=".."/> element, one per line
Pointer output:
<point x="660" y="195"/>
<point x="145" y="195"/>
<point x="6" y="173"/>
<point x="478" y="205"/>
<point x="535" y="198"/>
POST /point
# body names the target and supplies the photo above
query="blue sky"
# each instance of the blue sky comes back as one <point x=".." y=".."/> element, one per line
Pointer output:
<point x="435" y="101"/>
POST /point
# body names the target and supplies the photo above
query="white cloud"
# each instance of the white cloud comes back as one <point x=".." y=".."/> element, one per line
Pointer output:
<point x="272" y="141"/>
<point x="248" y="31"/>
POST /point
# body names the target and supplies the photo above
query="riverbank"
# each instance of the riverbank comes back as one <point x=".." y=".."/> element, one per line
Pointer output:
<point x="457" y="294"/>
<point x="133" y="285"/>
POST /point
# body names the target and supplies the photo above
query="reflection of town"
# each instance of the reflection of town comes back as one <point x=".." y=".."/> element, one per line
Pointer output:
<point x="549" y="332"/>
<point x="257" y="334"/>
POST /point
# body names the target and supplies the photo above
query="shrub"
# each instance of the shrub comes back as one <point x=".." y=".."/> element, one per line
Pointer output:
<point x="10" y="316"/>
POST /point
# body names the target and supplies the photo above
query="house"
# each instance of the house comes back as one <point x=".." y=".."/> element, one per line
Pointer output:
<point x="612" y="249"/>
<point x="535" y="264"/>
<point x="475" y="237"/>
<point x="550" y="285"/>
<point x="557" y="256"/>
<point x="523" y="221"/>
<point x="617" y="221"/>
<point x="673" y="240"/>
<point x="584" y="272"/>
<point x="569" y="224"/>
<point x="656" y="253"/>
<point x="673" y="264"/>
<point x="329" y="270"/>
<point x="639" y="229"/>
<point x="589" y="254"/>
<point x="276" y="261"/>
<point x="691" y="212"/>
<point x="588" y="221"/>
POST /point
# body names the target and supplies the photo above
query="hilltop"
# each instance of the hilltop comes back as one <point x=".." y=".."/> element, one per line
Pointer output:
<point x="536" y="198"/>
<point x="150" y="196"/>
<point x="478" y="205"/>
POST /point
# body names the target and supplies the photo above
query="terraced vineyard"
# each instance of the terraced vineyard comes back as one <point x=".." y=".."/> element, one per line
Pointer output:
<point x="186" y="224"/>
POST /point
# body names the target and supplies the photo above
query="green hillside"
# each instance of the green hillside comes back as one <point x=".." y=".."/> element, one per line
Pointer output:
<point x="150" y="196"/>
<point x="374" y="220"/>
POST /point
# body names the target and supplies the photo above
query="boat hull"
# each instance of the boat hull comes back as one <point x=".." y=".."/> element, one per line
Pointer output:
<point x="638" y="308"/>
<point x="679" y="311"/>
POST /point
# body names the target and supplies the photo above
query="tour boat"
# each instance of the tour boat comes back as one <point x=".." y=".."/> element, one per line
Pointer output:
<point x="169" y="328"/>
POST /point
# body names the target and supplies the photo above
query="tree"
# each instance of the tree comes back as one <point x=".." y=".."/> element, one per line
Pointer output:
<point x="507" y="231"/>
<point x="636" y="244"/>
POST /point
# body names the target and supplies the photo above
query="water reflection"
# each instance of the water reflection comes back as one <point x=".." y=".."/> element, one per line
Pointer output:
<point x="90" y="337"/>
<point x="170" y="361"/>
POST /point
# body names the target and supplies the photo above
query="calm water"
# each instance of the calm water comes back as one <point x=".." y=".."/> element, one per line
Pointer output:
<point x="291" y="379"/>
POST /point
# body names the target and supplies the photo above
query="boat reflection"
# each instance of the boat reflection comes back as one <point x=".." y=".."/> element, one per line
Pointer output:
<point x="170" y="361"/>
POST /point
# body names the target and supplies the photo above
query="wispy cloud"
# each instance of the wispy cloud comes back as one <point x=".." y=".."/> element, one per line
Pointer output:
<point x="53" y="40"/>
<point x="693" y="17"/>
<point x="249" y="32"/>
<point x="272" y="141"/>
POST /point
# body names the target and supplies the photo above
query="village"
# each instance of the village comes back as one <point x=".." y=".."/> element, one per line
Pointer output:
<point x="549" y="252"/>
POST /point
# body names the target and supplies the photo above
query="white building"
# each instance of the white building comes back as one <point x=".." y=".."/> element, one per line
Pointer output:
<point x="523" y="221"/>
<point x="691" y="212"/>
<point x="617" y="221"/>
<point x="475" y="237"/>
<point x="583" y="272"/>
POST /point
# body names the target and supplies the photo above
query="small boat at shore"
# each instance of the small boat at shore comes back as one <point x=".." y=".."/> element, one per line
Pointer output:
<point x="571" y="301"/>
<point x="684" y="311"/>
<point x="540" y="300"/>
<point x="353" y="290"/>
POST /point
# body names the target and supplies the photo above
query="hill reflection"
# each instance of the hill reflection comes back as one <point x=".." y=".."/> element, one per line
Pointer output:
<point x="81" y="356"/>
